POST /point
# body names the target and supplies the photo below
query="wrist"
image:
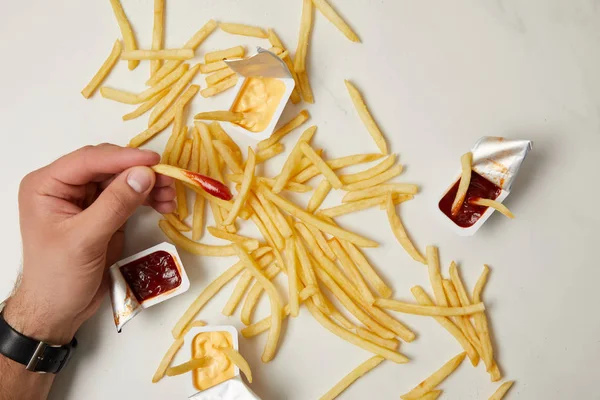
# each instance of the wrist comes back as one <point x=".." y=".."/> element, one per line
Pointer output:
<point x="32" y="319"/>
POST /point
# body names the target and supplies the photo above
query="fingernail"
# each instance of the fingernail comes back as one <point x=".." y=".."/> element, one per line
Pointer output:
<point x="139" y="179"/>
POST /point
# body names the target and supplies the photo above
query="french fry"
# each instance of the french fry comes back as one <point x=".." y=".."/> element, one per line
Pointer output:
<point x="435" y="379"/>
<point x="166" y="360"/>
<point x="379" y="190"/>
<point x="325" y="8"/>
<point x="255" y="292"/>
<point x="366" y="117"/>
<point x="244" y="30"/>
<point x="274" y="298"/>
<point x="352" y="206"/>
<point x="104" y="70"/>
<point x="228" y="156"/>
<point x="391" y="344"/>
<point x="352" y="338"/>
<point x="219" y="87"/>
<point x="226" y="116"/>
<point x="182" y="208"/>
<point x="208" y="293"/>
<point x="188" y="366"/>
<point x="289" y="167"/>
<point x="376" y="180"/>
<point x="218" y="133"/>
<point x="464" y="322"/>
<point x="481" y="323"/>
<point x="321" y="165"/>
<point x="265" y="323"/>
<point x="366" y="269"/>
<point x="268" y="153"/>
<point x="431" y="311"/>
<point x="198" y="218"/>
<point x="478" y="289"/>
<point x="198" y="248"/>
<point x="336" y="164"/>
<point x="276" y="50"/>
<point x="292" y="262"/>
<point x="213" y="67"/>
<point x="318" y="196"/>
<point x="347" y="302"/>
<point x="308" y="274"/>
<point x="321" y="242"/>
<point x="465" y="180"/>
<point x="157" y="32"/>
<point x="175" y="135"/>
<point x="194" y="165"/>
<point x="398" y="199"/>
<point x="244" y="191"/>
<point x="501" y="391"/>
<point x="207" y="145"/>
<point x="383" y="166"/>
<point x="424" y="300"/>
<point x="352" y="377"/>
<point x="276" y="42"/>
<point x="459" y="285"/>
<point x="306" y="21"/>
<point x="318" y="223"/>
<point x="272" y="230"/>
<point x="243" y="284"/>
<point x="144" y="107"/>
<point x="186" y="154"/>
<point x="239" y="361"/>
<point x="269" y="182"/>
<point x="177" y="88"/>
<point x="273" y="212"/>
<point x="166" y="119"/>
<point x="501" y="208"/>
<point x="400" y="232"/>
<point x="232" y="237"/>
<point x="237" y="51"/>
<point x="179" y="143"/>
<point x="352" y="271"/>
<point x="218" y="76"/>
<point x="435" y="277"/>
<point x="433" y="395"/>
<point x="177" y="224"/>
<point x="126" y="30"/>
<point x="305" y="88"/>
<point x="164" y="54"/>
<point x="132" y="98"/>
<point x="193" y="43"/>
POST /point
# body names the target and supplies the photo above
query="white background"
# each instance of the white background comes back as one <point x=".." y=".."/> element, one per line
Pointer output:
<point x="438" y="75"/>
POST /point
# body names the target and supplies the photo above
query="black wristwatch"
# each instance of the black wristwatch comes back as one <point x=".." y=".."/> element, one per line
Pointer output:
<point x="35" y="355"/>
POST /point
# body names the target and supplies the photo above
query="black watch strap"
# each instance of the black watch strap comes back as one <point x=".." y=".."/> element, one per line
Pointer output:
<point x="36" y="356"/>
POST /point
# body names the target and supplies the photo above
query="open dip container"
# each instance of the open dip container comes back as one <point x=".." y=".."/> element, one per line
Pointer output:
<point x="262" y="91"/>
<point x="220" y="379"/>
<point x="144" y="280"/>
<point x="496" y="162"/>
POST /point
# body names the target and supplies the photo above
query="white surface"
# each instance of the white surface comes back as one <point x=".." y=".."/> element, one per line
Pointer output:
<point x="438" y="75"/>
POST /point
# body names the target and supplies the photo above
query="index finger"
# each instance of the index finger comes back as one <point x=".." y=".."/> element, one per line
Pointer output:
<point x="88" y="163"/>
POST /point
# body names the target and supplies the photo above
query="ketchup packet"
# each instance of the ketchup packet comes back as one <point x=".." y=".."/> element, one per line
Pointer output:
<point x="144" y="280"/>
<point x="496" y="163"/>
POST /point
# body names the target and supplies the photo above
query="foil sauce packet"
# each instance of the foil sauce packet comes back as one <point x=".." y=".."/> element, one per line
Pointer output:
<point x="144" y="280"/>
<point x="267" y="65"/>
<point x="221" y="379"/>
<point x="496" y="163"/>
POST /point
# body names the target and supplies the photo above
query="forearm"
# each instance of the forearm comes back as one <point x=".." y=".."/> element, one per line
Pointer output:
<point x="29" y="319"/>
<point x="16" y="383"/>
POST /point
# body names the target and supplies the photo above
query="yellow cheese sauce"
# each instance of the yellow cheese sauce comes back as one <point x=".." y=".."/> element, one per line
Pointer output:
<point x="259" y="98"/>
<point x="219" y="368"/>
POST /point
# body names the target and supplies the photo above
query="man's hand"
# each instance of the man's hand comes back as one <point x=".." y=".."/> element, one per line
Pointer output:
<point x="72" y="215"/>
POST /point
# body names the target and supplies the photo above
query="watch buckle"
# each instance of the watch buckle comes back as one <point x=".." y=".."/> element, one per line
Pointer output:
<point x="37" y="356"/>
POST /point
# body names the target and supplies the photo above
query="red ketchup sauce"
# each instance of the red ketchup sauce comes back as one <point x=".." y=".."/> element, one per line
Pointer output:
<point x="469" y="214"/>
<point x="210" y="185"/>
<point x="152" y="275"/>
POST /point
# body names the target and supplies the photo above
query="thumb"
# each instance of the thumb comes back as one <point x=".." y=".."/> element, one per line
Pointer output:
<point x="119" y="201"/>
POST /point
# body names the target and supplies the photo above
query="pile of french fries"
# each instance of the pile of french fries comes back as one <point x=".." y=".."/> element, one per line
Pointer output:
<point x="323" y="262"/>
